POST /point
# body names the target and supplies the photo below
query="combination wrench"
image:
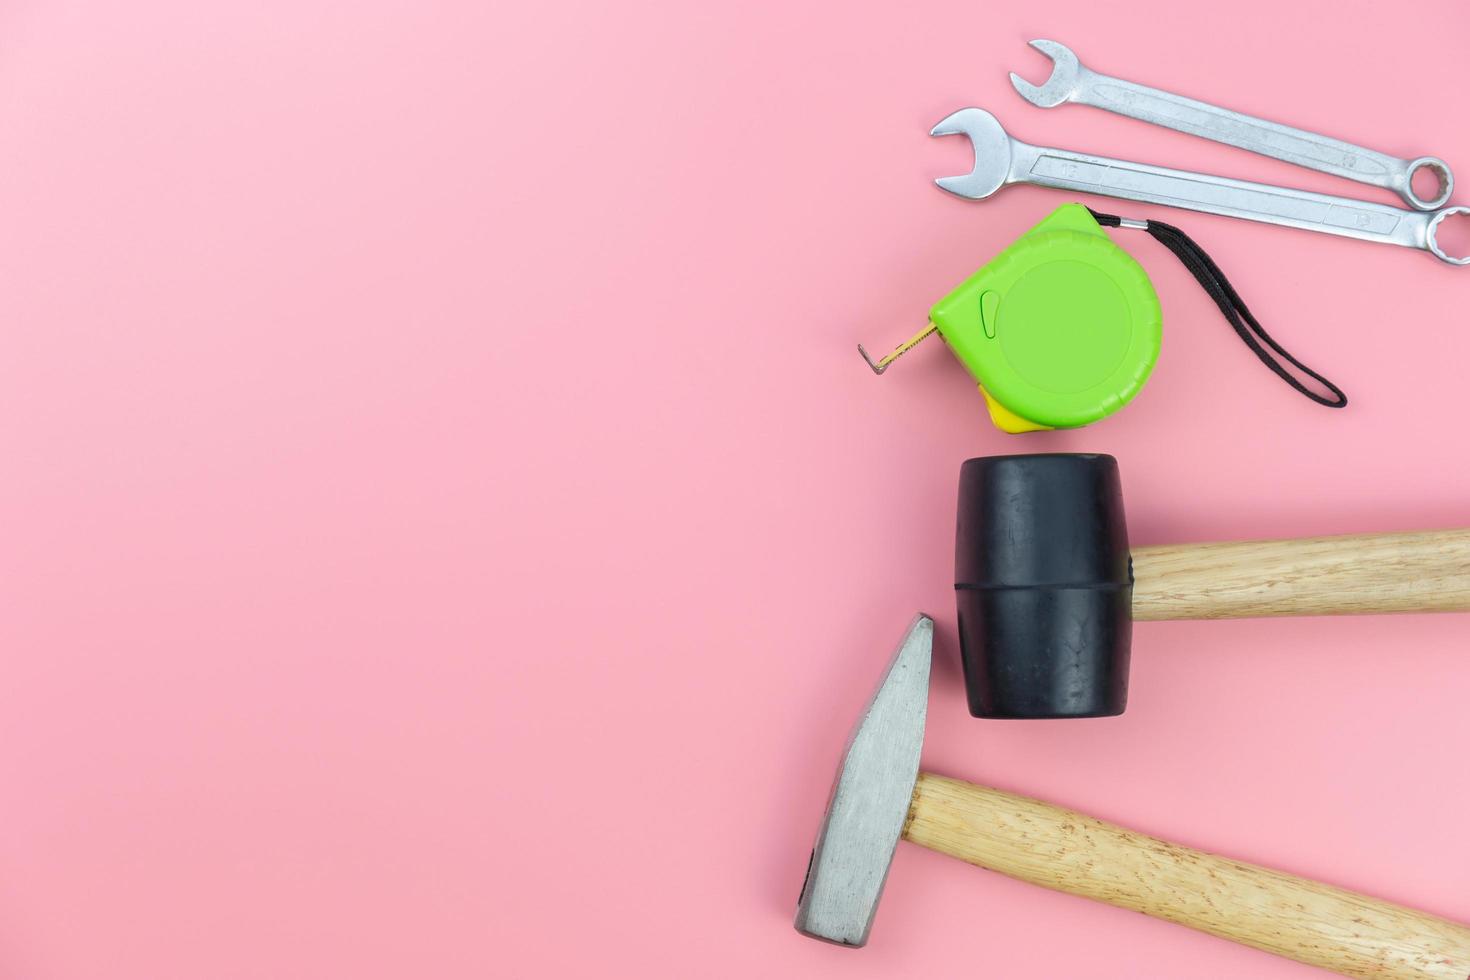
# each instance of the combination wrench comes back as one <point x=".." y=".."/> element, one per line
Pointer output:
<point x="1002" y="160"/>
<point x="1071" y="81"/>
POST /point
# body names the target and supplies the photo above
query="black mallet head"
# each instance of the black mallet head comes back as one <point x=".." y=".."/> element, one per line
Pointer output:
<point x="1044" y="586"/>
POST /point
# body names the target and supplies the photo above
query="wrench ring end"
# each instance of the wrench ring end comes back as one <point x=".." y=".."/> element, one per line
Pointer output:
<point x="1441" y="171"/>
<point x="1433" y="236"/>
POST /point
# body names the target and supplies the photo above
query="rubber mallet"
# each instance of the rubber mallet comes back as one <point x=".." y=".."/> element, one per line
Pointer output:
<point x="1048" y="591"/>
<point x="881" y="797"/>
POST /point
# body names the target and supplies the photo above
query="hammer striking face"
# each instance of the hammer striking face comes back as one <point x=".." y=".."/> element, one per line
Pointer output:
<point x="870" y="800"/>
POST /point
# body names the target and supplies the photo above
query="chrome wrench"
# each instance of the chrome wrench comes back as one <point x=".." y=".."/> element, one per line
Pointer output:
<point x="1002" y="160"/>
<point x="1071" y="81"/>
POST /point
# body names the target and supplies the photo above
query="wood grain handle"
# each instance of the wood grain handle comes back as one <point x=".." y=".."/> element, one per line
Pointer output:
<point x="1418" y="571"/>
<point x="1304" y="920"/>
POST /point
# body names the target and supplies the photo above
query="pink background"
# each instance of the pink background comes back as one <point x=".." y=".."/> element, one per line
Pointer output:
<point x="448" y="532"/>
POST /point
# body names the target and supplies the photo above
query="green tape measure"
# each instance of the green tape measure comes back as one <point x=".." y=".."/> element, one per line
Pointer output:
<point x="1059" y="330"/>
<point x="1063" y="327"/>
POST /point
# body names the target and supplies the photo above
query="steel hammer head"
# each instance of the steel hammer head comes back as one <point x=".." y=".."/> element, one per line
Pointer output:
<point x="870" y="800"/>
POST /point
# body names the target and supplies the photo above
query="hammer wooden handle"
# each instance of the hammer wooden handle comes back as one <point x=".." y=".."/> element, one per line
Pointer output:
<point x="1304" y="920"/>
<point x="1420" y="571"/>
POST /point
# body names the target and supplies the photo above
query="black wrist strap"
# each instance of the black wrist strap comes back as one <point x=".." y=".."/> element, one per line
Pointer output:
<point x="1198" y="262"/>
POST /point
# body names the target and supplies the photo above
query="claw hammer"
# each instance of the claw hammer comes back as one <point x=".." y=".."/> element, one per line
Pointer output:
<point x="881" y="797"/>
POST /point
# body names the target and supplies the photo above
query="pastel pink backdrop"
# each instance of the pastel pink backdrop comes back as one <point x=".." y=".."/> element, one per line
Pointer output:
<point x="447" y="530"/>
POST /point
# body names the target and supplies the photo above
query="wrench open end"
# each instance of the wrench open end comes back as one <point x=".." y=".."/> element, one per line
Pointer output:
<point x="992" y="153"/>
<point x="1061" y="86"/>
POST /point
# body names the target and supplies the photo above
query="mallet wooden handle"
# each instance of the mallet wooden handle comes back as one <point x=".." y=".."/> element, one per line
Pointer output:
<point x="1419" y="571"/>
<point x="1304" y="920"/>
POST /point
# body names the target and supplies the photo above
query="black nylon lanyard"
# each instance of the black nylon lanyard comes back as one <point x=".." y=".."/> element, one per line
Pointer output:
<point x="1198" y="262"/>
